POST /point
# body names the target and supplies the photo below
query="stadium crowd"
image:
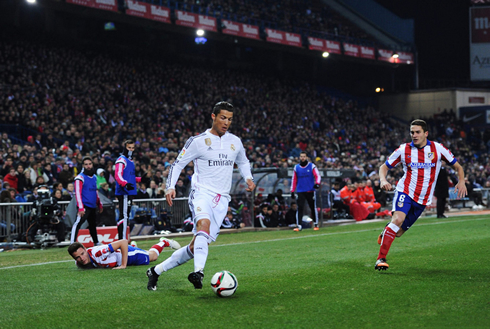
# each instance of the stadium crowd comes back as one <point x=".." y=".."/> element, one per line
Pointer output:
<point x="75" y="103"/>
<point x="289" y="15"/>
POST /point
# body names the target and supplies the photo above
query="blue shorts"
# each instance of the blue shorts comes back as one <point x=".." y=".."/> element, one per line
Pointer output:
<point x="137" y="256"/>
<point x="402" y="202"/>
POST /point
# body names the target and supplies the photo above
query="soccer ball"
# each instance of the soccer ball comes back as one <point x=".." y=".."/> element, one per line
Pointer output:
<point x="224" y="284"/>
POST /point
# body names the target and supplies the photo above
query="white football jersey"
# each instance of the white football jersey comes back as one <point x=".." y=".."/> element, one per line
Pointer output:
<point x="214" y="158"/>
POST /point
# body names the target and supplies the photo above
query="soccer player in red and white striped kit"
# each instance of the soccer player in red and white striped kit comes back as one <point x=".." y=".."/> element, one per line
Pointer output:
<point x="421" y="160"/>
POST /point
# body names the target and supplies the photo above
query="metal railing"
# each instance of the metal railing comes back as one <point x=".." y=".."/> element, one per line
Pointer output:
<point x="15" y="218"/>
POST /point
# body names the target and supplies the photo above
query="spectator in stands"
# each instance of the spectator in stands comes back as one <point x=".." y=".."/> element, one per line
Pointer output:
<point x="263" y="219"/>
<point x="142" y="193"/>
<point x="152" y="190"/>
<point x="12" y="178"/>
<point x="180" y="189"/>
<point x="23" y="183"/>
<point x="48" y="173"/>
<point x="276" y="198"/>
<point x="6" y="166"/>
<point x="6" y="197"/>
<point x="66" y="175"/>
<point x="104" y="190"/>
<point x="70" y="189"/>
<point x="110" y="176"/>
<point x="277" y="218"/>
<point x="291" y="215"/>
<point x="57" y="194"/>
<point x="337" y="203"/>
<point x="476" y="197"/>
<point x="158" y="177"/>
<point x="100" y="177"/>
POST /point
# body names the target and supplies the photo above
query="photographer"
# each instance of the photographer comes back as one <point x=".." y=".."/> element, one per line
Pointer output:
<point x="46" y="214"/>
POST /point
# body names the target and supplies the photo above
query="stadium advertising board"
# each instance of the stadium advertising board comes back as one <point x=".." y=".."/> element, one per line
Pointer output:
<point x="106" y="235"/>
<point x="184" y="18"/>
<point x="106" y="4"/>
<point x="367" y="52"/>
<point x="285" y="38"/>
<point x="333" y="47"/>
<point x="316" y="44"/>
<point x="385" y="55"/>
<point x="86" y="3"/>
<point x="241" y="30"/>
<point x="250" y="31"/>
<point x="404" y="58"/>
<point x="475" y="116"/>
<point x="110" y="5"/>
<point x="329" y="46"/>
<point x="351" y="49"/>
<point x="480" y="43"/>
<point x="148" y="11"/>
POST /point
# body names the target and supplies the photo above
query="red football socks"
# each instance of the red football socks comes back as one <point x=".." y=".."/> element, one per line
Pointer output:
<point x="388" y="237"/>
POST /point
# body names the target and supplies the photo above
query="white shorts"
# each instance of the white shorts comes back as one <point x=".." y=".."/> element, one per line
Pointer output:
<point x="206" y="204"/>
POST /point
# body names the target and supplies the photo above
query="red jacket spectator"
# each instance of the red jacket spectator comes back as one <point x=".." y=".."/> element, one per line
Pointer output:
<point x="12" y="179"/>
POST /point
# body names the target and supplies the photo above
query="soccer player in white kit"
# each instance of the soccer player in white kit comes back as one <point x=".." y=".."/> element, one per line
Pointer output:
<point x="421" y="160"/>
<point x="214" y="153"/>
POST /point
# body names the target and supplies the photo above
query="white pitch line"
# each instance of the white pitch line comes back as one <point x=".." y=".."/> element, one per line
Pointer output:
<point x="275" y="240"/>
<point x="47" y="263"/>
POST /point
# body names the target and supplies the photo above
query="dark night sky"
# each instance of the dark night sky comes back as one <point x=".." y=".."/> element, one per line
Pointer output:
<point x="441" y="35"/>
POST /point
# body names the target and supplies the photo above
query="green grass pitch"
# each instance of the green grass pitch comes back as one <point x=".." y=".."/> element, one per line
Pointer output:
<point x="439" y="277"/>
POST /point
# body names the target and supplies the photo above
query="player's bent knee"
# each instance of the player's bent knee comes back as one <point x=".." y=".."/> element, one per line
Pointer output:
<point x="203" y="225"/>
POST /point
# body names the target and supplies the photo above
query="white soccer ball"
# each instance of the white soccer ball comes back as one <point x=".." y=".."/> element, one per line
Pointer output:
<point x="224" y="284"/>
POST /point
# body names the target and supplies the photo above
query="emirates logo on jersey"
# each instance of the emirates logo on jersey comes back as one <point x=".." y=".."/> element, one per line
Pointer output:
<point x="430" y="155"/>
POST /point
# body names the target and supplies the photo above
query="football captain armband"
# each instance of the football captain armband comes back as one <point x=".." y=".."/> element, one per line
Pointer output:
<point x="109" y="246"/>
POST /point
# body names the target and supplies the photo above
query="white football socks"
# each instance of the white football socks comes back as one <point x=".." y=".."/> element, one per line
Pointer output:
<point x="179" y="257"/>
<point x="200" y="250"/>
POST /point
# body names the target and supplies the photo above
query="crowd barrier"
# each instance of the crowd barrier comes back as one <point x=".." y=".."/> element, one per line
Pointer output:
<point x="15" y="218"/>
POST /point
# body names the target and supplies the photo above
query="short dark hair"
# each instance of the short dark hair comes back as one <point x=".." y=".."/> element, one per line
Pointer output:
<point x="222" y="106"/>
<point x="87" y="158"/>
<point x="74" y="247"/>
<point x="419" y="122"/>
<point x="128" y="141"/>
<point x="303" y="152"/>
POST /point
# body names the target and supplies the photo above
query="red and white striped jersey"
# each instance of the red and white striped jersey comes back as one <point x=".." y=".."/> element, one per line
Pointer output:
<point x="421" y="167"/>
<point x="101" y="256"/>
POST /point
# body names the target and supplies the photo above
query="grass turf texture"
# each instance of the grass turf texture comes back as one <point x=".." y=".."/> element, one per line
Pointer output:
<point x="438" y="277"/>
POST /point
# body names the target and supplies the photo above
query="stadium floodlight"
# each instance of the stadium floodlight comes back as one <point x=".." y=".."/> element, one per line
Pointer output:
<point x="325" y="54"/>
<point x="200" y="32"/>
<point x="378" y="89"/>
<point x="395" y="55"/>
<point x="31" y="1"/>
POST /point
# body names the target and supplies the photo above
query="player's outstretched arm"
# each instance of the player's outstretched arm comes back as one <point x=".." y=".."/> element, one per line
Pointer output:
<point x="123" y="246"/>
<point x="460" y="188"/>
